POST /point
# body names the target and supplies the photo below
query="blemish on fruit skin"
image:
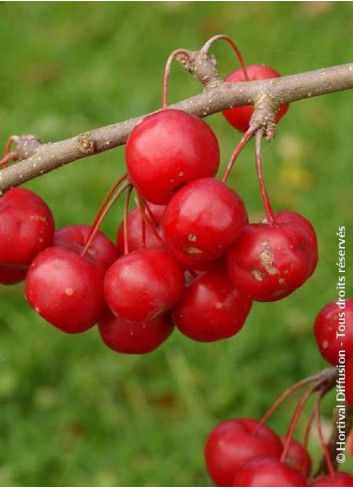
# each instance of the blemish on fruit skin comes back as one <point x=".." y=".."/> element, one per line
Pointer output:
<point x="37" y="217"/>
<point x="325" y="344"/>
<point x="267" y="259"/>
<point x="257" y="275"/>
<point x="192" y="238"/>
<point x="69" y="292"/>
<point x="218" y="305"/>
<point x="192" y="250"/>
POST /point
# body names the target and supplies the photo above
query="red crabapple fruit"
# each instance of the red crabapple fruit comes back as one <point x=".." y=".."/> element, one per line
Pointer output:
<point x="239" y="117"/>
<point x="268" y="262"/>
<point x="333" y="330"/>
<point x="26" y="228"/>
<point x="298" y="457"/>
<point x="342" y="479"/>
<point x="125" y="336"/>
<point x="168" y="149"/>
<point x="265" y="471"/>
<point x="202" y="220"/>
<point x="135" y="229"/>
<point x="65" y="289"/>
<point x="101" y="251"/>
<point x="233" y="443"/>
<point x="143" y="284"/>
<point x="211" y="308"/>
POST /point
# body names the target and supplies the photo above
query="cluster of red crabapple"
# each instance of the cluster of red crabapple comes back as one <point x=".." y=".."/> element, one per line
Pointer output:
<point x="186" y="256"/>
<point x="244" y="452"/>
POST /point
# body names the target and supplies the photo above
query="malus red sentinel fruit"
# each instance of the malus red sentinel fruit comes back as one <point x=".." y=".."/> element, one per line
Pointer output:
<point x="235" y="442"/>
<point x="333" y="330"/>
<point x="66" y="289"/>
<point x="135" y="338"/>
<point x="211" y="308"/>
<point x="26" y="228"/>
<point x="168" y="149"/>
<point x="239" y="117"/>
<point x="202" y="220"/>
<point x="143" y="284"/>
<point x="265" y="471"/>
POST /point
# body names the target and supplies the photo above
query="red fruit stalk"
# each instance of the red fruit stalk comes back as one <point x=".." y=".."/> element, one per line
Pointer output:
<point x="138" y="233"/>
<point x="103" y="211"/>
<point x="298" y="457"/>
<point x="101" y="250"/>
<point x="294" y="421"/>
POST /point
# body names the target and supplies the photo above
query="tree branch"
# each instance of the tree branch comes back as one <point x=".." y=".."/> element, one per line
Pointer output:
<point x="50" y="156"/>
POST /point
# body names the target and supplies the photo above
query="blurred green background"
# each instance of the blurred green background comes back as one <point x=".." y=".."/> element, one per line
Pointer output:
<point x="73" y="412"/>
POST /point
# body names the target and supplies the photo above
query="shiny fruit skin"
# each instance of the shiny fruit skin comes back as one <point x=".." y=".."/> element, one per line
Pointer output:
<point x="201" y="222"/>
<point x="342" y="479"/>
<point x="65" y="289"/>
<point x="327" y="326"/>
<point x="26" y="228"/>
<point x="143" y="284"/>
<point x="299" y="221"/>
<point x="267" y="471"/>
<point x="239" y="117"/>
<point x="268" y="262"/>
<point x="135" y="338"/>
<point x="135" y="230"/>
<point x="232" y="443"/>
<point x="211" y="309"/>
<point x="168" y="149"/>
<point x="298" y="457"/>
<point x="102" y="251"/>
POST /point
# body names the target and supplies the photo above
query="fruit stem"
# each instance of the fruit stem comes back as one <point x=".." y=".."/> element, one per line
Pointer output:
<point x="284" y="396"/>
<point x="239" y="147"/>
<point x="110" y="193"/>
<point x="206" y="47"/>
<point x="8" y="155"/>
<point x="294" y="421"/>
<point x="264" y="194"/>
<point x="125" y="222"/>
<point x="168" y="65"/>
<point x="101" y="215"/>
<point x="152" y="216"/>
<point x="146" y="222"/>
<point x="329" y="465"/>
<point x="309" y="427"/>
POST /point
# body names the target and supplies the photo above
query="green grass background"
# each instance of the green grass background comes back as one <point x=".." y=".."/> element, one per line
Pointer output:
<point x="71" y="411"/>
